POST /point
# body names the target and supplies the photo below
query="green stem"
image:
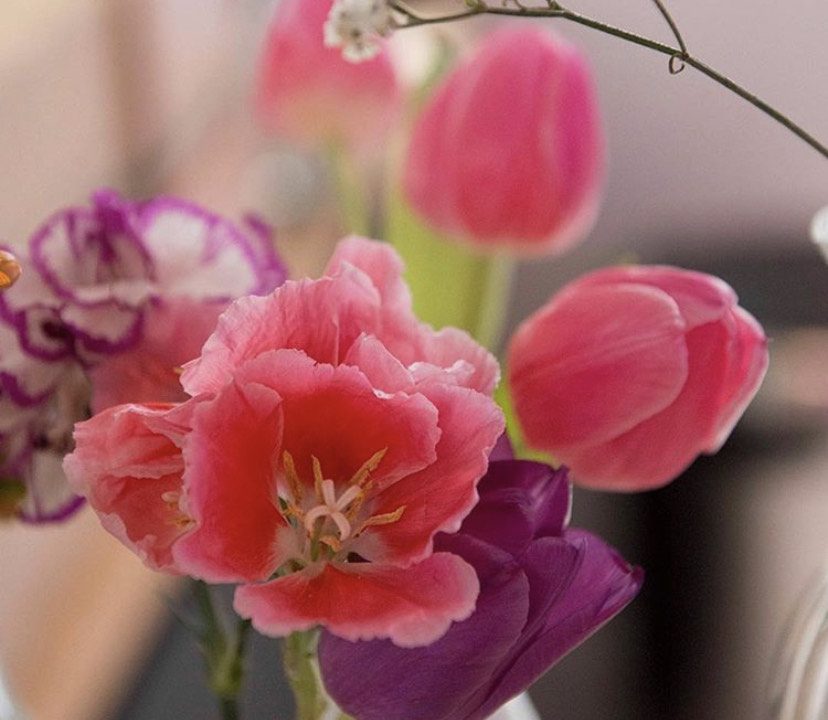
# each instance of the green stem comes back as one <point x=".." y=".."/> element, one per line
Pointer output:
<point x="302" y="671"/>
<point x="675" y="54"/>
<point x="223" y="652"/>
<point x="493" y="300"/>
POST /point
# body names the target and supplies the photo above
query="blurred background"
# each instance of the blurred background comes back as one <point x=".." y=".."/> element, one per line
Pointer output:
<point x="150" y="96"/>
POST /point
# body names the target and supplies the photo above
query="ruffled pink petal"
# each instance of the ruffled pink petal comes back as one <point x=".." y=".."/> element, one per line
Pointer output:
<point x="412" y="607"/>
<point x="334" y="414"/>
<point x="408" y="339"/>
<point x="322" y="318"/>
<point x="701" y="298"/>
<point x="438" y="497"/>
<point x="127" y="464"/>
<point x="746" y="367"/>
<point x="230" y="485"/>
<point x="173" y="333"/>
<point x="382" y="369"/>
<point x="596" y="362"/>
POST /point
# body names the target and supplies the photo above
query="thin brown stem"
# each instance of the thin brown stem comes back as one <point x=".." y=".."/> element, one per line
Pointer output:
<point x="553" y="10"/>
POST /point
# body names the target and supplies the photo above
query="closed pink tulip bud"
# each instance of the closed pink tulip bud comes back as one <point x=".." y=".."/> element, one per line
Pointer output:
<point x="629" y="373"/>
<point x="308" y="93"/>
<point x="509" y="152"/>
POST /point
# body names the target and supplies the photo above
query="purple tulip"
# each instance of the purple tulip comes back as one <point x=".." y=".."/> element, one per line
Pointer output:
<point x="544" y="589"/>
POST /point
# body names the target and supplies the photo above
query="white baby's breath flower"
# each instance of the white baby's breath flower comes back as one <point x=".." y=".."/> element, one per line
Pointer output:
<point x="357" y="26"/>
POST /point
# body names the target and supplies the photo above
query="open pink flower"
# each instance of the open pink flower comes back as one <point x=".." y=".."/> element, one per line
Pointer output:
<point x="308" y="92"/>
<point x="509" y="151"/>
<point x="328" y="438"/>
<point x="629" y="373"/>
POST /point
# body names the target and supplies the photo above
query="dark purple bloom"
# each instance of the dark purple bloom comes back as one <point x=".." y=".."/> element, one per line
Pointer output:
<point x="544" y="589"/>
<point x="117" y="293"/>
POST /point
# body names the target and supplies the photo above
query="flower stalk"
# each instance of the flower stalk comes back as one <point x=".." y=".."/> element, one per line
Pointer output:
<point x="223" y="652"/>
<point x="679" y="56"/>
<point x="302" y="670"/>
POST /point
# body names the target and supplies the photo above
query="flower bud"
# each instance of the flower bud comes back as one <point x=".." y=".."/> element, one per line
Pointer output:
<point x="627" y="374"/>
<point x="509" y="152"/>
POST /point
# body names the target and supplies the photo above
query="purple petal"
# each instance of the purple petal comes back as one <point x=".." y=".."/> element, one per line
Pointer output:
<point x="378" y="680"/>
<point x="520" y="500"/>
<point x="502" y="450"/>
<point x="603" y="585"/>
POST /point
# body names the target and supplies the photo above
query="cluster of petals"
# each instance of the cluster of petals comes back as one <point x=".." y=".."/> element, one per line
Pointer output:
<point x="544" y="589"/>
<point x="629" y="373"/>
<point x="114" y="297"/>
<point x="328" y="437"/>
<point x="307" y="92"/>
<point x="508" y="153"/>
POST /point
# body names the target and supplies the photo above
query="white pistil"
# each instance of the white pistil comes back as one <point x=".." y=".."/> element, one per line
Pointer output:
<point x="332" y="508"/>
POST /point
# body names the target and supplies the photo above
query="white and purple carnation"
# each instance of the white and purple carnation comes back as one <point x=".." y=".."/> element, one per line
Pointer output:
<point x="114" y="297"/>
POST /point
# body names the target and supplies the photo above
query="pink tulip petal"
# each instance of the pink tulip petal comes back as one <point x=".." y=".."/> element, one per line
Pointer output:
<point x="438" y="497"/>
<point x="572" y="387"/>
<point x="128" y="466"/>
<point x="509" y="150"/>
<point x="745" y="371"/>
<point x="659" y="448"/>
<point x="309" y="93"/>
<point x="413" y="606"/>
<point x="701" y="298"/>
<point x="230" y="484"/>
<point x="384" y="371"/>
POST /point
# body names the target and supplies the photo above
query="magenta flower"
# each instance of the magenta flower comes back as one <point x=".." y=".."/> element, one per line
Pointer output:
<point x="509" y="151"/>
<point x="114" y="297"/>
<point x="309" y="93"/>
<point x="544" y="589"/>
<point x="328" y="438"/>
<point x="628" y="373"/>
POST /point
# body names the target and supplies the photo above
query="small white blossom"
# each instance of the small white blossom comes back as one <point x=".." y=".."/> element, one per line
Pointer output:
<point x="357" y="27"/>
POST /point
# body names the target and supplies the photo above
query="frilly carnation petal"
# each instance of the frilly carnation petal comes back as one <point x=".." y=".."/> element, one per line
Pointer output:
<point x="412" y="606"/>
<point x="572" y="386"/>
<point x="127" y="462"/>
<point x="307" y="92"/>
<point x="230" y="488"/>
<point x="633" y="441"/>
<point x="509" y="151"/>
<point x="48" y="497"/>
<point x="27" y="381"/>
<point x="198" y="254"/>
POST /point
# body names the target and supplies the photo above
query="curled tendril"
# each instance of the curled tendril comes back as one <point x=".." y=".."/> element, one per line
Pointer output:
<point x="677" y="63"/>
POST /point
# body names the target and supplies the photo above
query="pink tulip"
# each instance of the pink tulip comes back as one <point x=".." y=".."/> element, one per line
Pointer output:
<point x="629" y="373"/>
<point x="509" y="152"/>
<point x="307" y="92"/>
<point x="327" y="438"/>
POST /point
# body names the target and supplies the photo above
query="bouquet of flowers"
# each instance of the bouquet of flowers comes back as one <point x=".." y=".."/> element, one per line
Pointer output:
<point x="344" y="449"/>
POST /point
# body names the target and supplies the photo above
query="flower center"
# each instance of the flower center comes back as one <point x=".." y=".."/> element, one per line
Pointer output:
<point x="325" y="519"/>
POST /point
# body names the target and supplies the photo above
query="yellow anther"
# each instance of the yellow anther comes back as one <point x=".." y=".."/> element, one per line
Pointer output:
<point x="382" y="519"/>
<point x="318" y="478"/>
<point x="372" y="463"/>
<point x="292" y="477"/>
<point x="332" y="542"/>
